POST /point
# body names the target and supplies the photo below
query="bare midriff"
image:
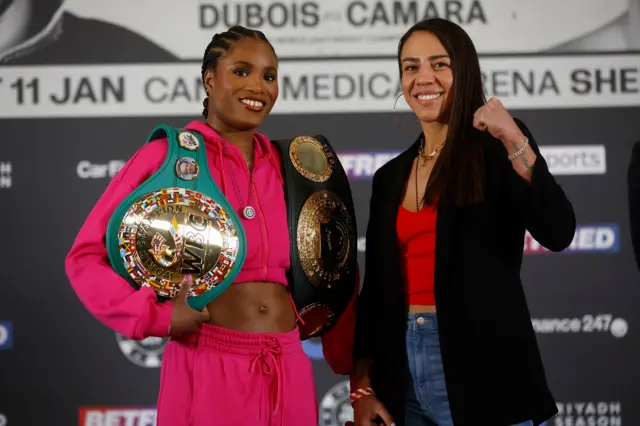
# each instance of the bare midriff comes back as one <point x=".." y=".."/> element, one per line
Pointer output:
<point x="261" y="307"/>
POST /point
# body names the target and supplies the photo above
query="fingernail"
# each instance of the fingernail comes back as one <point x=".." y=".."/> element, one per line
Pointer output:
<point x="188" y="277"/>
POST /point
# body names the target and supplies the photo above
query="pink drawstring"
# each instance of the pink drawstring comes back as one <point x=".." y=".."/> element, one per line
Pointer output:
<point x="269" y="360"/>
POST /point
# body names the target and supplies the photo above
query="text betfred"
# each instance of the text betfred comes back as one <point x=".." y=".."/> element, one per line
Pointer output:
<point x="117" y="416"/>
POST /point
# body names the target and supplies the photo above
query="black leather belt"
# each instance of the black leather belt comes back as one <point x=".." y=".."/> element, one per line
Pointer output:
<point x="322" y="229"/>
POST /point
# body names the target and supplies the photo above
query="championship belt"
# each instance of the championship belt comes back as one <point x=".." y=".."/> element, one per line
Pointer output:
<point x="178" y="222"/>
<point x="322" y="229"/>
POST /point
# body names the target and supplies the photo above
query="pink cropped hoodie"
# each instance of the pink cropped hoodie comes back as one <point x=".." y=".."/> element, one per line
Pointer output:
<point x="137" y="314"/>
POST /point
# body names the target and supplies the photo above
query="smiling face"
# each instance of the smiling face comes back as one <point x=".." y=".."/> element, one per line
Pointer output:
<point x="244" y="85"/>
<point x="427" y="76"/>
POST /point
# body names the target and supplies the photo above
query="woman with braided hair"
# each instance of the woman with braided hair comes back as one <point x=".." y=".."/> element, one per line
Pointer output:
<point x="240" y="360"/>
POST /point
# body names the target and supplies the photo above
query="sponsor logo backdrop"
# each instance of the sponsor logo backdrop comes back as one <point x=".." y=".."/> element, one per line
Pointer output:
<point x="82" y="84"/>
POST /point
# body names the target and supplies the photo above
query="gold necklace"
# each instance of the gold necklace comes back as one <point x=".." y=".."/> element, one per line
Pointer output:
<point x="425" y="159"/>
<point x="429" y="157"/>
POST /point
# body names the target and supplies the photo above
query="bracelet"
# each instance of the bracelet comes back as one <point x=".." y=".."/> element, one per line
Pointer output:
<point x="359" y="393"/>
<point x="519" y="152"/>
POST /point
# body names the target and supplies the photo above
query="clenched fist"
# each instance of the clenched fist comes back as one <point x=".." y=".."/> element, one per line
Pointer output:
<point x="494" y="118"/>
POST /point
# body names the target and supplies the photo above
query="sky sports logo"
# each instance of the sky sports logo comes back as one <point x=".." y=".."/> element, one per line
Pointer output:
<point x="588" y="238"/>
<point x="109" y="416"/>
<point x="561" y="160"/>
<point x="575" y="159"/>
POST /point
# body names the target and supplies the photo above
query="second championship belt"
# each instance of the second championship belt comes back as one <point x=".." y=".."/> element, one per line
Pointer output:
<point x="323" y="234"/>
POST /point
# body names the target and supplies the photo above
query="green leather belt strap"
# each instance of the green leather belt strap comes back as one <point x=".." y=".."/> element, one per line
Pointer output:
<point x="180" y="201"/>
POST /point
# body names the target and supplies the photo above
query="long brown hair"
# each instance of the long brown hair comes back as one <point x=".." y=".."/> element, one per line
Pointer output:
<point x="458" y="175"/>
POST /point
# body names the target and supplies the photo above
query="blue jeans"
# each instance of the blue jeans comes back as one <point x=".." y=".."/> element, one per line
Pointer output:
<point x="427" y="403"/>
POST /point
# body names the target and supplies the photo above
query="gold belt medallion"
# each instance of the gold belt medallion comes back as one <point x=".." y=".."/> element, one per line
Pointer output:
<point x="324" y="238"/>
<point x="311" y="159"/>
<point x="173" y="232"/>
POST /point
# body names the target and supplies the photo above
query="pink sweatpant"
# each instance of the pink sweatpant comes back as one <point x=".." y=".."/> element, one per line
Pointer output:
<point x="222" y="377"/>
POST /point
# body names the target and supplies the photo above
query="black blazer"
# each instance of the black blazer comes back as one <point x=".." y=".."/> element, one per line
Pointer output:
<point x="492" y="365"/>
<point x="633" y="191"/>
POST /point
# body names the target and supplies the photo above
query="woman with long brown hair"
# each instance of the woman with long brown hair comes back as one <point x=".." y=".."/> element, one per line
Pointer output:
<point x="443" y="333"/>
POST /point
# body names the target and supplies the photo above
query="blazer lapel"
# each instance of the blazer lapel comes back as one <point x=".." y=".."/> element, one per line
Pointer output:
<point x="393" y="187"/>
<point x="399" y="175"/>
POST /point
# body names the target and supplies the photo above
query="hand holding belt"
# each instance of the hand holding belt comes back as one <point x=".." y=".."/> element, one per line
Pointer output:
<point x="322" y="230"/>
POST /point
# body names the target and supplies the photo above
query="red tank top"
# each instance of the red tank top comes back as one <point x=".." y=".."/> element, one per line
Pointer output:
<point x="417" y="242"/>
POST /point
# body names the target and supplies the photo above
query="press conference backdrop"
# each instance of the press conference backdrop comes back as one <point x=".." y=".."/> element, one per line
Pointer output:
<point x="82" y="83"/>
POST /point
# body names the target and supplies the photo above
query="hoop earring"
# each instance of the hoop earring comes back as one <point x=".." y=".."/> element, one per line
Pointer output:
<point x="395" y="118"/>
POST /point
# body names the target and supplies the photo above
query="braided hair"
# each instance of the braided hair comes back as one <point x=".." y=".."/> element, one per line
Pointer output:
<point x="220" y="44"/>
